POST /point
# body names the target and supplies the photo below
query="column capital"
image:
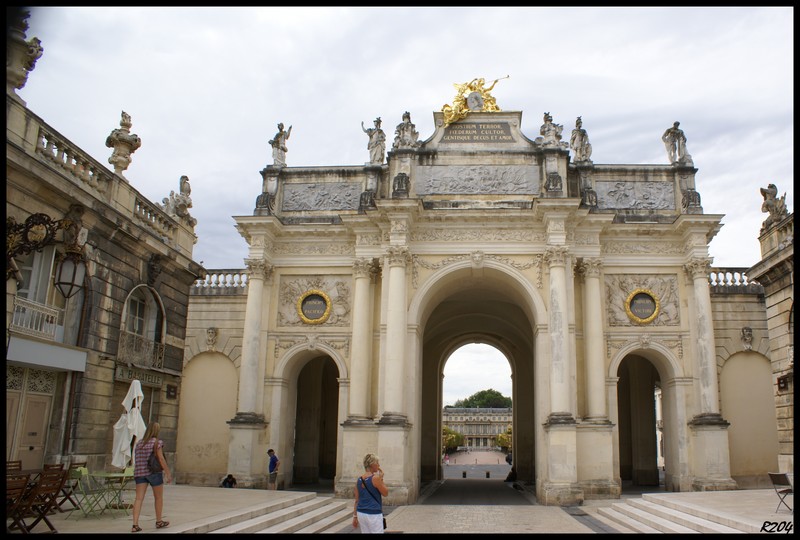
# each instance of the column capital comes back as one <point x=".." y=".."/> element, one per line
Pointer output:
<point x="258" y="269"/>
<point x="590" y="267"/>
<point x="556" y="255"/>
<point x="398" y="255"/>
<point x="699" y="267"/>
<point x="362" y="267"/>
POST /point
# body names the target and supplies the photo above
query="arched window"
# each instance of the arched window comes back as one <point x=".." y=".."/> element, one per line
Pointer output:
<point x="141" y="338"/>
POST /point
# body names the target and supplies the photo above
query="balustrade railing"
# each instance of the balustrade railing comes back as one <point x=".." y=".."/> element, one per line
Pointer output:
<point x="221" y="282"/>
<point x="151" y="216"/>
<point x="734" y="281"/>
<point x="72" y="160"/>
<point x="35" y="319"/>
<point x="135" y="349"/>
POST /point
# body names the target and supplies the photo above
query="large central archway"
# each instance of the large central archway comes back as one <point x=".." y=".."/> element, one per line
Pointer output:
<point x="491" y="304"/>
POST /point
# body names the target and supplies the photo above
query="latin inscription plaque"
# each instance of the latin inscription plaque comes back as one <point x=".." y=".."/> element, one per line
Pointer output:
<point x="314" y="307"/>
<point x="642" y="306"/>
<point x="484" y="132"/>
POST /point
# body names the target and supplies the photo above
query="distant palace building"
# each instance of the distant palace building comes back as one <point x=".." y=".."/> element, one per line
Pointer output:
<point x="479" y="426"/>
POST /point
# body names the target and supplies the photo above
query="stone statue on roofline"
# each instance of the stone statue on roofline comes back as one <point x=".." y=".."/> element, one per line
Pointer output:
<point x="675" y="142"/>
<point x="21" y="55"/>
<point x="405" y="135"/>
<point x="579" y="142"/>
<point x="774" y="206"/>
<point x="377" y="142"/>
<point x="278" y="144"/>
<point x="124" y="144"/>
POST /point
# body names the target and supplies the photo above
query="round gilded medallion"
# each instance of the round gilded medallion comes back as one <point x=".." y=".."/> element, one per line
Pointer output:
<point x="314" y="307"/>
<point x="642" y="306"/>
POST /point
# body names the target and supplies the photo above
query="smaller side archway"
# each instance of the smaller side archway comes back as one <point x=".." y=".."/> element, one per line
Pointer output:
<point x="641" y="371"/>
<point x="308" y="409"/>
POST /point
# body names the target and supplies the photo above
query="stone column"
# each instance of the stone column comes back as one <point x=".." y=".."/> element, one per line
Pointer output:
<point x="248" y="372"/>
<point x="699" y="271"/>
<point x="560" y="388"/>
<point x="594" y="347"/>
<point x="360" y="357"/>
<point x="397" y="258"/>
<point x="247" y="427"/>
<point x="711" y="466"/>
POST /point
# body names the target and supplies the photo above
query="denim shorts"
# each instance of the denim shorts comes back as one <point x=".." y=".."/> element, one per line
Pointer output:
<point x="155" y="479"/>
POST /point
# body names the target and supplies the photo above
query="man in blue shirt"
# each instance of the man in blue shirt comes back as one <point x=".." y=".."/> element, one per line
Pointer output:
<point x="274" y="463"/>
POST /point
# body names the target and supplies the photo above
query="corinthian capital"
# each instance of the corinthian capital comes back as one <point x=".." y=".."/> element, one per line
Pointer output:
<point x="362" y="267"/>
<point x="398" y="255"/>
<point x="556" y="255"/>
<point x="258" y="269"/>
<point x="698" y="268"/>
<point x="590" y="267"/>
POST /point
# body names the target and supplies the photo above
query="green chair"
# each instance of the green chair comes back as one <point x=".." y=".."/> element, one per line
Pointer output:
<point x="90" y="496"/>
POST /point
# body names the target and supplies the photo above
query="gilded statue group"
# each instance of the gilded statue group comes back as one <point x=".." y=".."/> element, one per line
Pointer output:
<point x="472" y="96"/>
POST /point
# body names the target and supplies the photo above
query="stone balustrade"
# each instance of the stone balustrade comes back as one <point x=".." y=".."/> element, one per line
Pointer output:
<point x="733" y="281"/>
<point x="221" y="282"/>
<point x="61" y="153"/>
<point x="151" y="216"/>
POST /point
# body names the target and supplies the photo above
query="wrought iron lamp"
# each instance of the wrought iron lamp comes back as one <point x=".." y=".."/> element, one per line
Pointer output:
<point x="38" y="231"/>
<point x="70" y="272"/>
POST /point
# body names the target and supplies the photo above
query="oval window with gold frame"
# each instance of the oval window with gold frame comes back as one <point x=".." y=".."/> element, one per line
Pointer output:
<point x="314" y="307"/>
<point x="642" y="306"/>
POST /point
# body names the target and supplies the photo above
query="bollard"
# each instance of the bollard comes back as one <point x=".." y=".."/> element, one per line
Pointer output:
<point x="487" y="474"/>
<point x="463" y="474"/>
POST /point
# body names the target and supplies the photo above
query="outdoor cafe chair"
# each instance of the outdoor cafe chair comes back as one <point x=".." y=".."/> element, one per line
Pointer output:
<point x="16" y="489"/>
<point x="41" y="498"/>
<point x="91" y="496"/>
<point x="53" y="467"/>
<point x="14" y="465"/>
<point x="783" y="487"/>
<point x="69" y="491"/>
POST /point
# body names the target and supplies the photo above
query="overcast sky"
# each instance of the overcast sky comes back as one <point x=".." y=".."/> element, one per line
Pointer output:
<point x="206" y="87"/>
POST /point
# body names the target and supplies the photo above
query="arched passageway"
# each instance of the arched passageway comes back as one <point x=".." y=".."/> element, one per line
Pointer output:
<point x="316" y="423"/>
<point x="478" y="307"/>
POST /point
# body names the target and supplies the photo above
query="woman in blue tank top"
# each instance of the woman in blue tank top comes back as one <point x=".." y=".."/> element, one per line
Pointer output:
<point x="368" y="507"/>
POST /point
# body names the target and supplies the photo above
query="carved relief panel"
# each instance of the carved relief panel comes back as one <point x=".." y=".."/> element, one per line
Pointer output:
<point x="624" y="293"/>
<point x="296" y="293"/>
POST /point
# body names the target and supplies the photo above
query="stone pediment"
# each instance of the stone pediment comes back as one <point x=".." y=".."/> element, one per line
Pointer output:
<point x="479" y="132"/>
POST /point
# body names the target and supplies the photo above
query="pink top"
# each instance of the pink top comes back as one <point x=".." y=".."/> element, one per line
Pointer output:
<point x="141" y="452"/>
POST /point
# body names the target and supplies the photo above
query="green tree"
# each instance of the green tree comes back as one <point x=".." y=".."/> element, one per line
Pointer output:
<point x="503" y="440"/>
<point x="451" y="439"/>
<point x="485" y="399"/>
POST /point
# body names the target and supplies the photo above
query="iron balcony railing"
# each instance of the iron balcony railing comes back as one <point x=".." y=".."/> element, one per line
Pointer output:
<point x="34" y="319"/>
<point x="137" y="350"/>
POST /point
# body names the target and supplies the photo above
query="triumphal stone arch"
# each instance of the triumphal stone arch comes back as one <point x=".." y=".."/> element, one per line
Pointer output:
<point x="592" y="279"/>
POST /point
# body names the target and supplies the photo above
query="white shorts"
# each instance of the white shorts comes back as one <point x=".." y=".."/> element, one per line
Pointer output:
<point x="370" y="523"/>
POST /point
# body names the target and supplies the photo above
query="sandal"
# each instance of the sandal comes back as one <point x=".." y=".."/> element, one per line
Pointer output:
<point x="161" y="524"/>
<point x="135" y="528"/>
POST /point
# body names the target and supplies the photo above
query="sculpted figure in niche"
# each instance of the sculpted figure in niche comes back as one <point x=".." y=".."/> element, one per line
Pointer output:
<point x="278" y="144"/>
<point x="579" y="142"/>
<point x="377" y="142"/>
<point x="675" y="142"/>
<point x="773" y="205"/>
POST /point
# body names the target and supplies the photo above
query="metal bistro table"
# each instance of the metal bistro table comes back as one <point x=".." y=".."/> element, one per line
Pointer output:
<point x="113" y="484"/>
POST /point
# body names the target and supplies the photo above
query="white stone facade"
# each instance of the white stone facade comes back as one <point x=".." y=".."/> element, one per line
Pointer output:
<point x="593" y="280"/>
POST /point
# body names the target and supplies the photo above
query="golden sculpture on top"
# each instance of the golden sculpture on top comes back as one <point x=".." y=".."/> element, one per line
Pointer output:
<point x="471" y="97"/>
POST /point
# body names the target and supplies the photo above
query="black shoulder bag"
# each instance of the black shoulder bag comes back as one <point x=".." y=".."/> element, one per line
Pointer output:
<point x="373" y="496"/>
